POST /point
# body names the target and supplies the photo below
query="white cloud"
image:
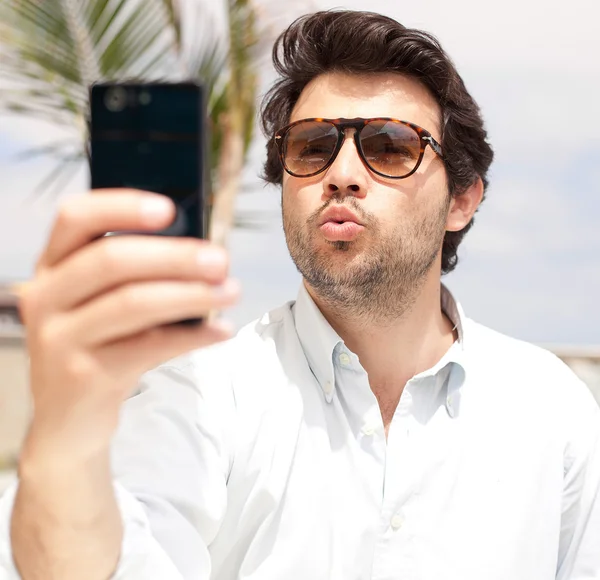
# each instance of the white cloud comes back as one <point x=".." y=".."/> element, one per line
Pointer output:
<point x="509" y="35"/>
<point x="531" y="219"/>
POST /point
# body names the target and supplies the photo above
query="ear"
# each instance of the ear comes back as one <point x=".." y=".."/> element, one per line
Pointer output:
<point x="464" y="206"/>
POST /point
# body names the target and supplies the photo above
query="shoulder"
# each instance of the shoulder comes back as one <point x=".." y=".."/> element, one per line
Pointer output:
<point x="254" y="344"/>
<point x="209" y="377"/>
<point x="490" y="346"/>
<point x="253" y="341"/>
<point x="527" y="373"/>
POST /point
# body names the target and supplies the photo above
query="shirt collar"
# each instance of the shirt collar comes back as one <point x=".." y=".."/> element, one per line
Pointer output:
<point x="319" y="340"/>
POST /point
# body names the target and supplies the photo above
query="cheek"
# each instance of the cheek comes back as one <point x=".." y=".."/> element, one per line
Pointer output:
<point x="404" y="213"/>
<point x="430" y="180"/>
<point x="431" y="195"/>
<point x="299" y="200"/>
<point x="390" y="208"/>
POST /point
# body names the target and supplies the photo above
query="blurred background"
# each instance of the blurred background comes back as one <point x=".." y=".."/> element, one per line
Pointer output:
<point x="529" y="268"/>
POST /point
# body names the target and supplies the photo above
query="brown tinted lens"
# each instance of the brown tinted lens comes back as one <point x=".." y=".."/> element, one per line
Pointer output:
<point x="309" y="146"/>
<point x="390" y="147"/>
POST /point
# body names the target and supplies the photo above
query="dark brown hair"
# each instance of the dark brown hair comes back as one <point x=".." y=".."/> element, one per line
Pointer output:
<point x="365" y="42"/>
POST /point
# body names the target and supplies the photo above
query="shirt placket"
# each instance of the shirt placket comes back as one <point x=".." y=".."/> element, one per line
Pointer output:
<point x="362" y="412"/>
<point x="393" y="557"/>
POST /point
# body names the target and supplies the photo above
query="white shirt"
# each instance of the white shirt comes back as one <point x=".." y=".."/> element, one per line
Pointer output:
<point x="265" y="458"/>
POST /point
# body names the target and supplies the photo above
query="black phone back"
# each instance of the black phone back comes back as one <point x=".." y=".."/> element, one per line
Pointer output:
<point x="152" y="137"/>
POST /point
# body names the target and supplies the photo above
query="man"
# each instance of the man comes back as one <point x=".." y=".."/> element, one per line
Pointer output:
<point x="366" y="430"/>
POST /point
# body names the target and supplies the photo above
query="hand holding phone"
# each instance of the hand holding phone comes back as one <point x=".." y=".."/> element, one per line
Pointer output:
<point x="97" y="314"/>
<point x="101" y="309"/>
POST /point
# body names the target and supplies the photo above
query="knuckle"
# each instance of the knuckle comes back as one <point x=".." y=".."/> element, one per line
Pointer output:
<point x="79" y="367"/>
<point x="50" y="335"/>
<point x="31" y="301"/>
<point x="34" y="297"/>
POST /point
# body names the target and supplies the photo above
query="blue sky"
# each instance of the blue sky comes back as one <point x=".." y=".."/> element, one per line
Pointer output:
<point x="531" y="265"/>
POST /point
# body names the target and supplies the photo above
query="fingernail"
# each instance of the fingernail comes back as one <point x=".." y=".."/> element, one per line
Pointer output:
<point x="156" y="208"/>
<point x="228" y="289"/>
<point x="222" y="325"/>
<point x="211" y="257"/>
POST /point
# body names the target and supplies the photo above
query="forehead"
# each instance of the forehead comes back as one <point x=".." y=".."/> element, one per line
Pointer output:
<point x="334" y="95"/>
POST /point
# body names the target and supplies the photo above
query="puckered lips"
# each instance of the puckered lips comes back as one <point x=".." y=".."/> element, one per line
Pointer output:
<point x="339" y="224"/>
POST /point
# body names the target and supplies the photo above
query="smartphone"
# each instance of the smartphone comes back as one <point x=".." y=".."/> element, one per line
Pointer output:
<point x="152" y="136"/>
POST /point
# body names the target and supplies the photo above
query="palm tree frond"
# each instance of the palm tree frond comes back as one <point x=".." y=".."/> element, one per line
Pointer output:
<point x="43" y="18"/>
<point x="61" y="149"/>
<point x="52" y="50"/>
<point x="87" y="61"/>
<point x="173" y="11"/>
<point x="62" y="173"/>
<point x="101" y="15"/>
<point x="142" y="30"/>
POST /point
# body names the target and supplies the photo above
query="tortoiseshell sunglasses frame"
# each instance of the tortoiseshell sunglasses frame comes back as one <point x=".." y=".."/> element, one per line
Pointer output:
<point x="358" y="123"/>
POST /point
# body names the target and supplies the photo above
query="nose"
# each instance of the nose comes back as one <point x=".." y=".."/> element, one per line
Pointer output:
<point x="347" y="175"/>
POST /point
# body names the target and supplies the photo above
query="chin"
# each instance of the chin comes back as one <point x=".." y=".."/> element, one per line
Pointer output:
<point x="352" y="246"/>
<point x="342" y="246"/>
<point x="341" y="256"/>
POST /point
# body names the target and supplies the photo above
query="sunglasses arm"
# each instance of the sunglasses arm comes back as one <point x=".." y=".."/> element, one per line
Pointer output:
<point x="434" y="145"/>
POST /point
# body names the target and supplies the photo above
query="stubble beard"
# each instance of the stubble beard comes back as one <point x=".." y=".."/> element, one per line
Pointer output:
<point x="378" y="283"/>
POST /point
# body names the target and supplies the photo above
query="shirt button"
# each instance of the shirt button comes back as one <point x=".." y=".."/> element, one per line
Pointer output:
<point x="328" y="388"/>
<point x="397" y="521"/>
<point x="369" y="429"/>
<point x="344" y="359"/>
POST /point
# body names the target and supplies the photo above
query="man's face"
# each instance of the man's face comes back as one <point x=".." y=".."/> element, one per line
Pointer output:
<point x="377" y="268"/>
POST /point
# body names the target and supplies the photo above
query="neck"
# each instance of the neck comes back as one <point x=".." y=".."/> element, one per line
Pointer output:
<point x="392" y="351"/>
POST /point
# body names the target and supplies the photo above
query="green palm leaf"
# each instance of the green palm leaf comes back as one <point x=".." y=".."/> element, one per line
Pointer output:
<point x="53" y="49"/>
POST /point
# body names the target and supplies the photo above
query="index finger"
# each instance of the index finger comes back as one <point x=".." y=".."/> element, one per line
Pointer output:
<point x="82" y="219"/>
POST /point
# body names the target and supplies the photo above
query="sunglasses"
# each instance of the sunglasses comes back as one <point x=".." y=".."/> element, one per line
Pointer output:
<point x="388" y="147"/>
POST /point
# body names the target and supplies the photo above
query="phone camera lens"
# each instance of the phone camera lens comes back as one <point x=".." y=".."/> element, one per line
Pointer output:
<point x="116" y="99"/>
<point x="145" y="98"/>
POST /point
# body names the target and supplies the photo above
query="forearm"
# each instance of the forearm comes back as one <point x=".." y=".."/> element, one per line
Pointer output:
<point x="66" y="523"/>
